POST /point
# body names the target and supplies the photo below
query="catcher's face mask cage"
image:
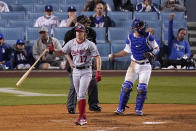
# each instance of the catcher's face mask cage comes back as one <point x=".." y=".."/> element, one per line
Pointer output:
<point x="140" y="26"/>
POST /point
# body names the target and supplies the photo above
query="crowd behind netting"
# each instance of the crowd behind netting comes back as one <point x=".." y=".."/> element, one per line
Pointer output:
<point x="28" y="27"/>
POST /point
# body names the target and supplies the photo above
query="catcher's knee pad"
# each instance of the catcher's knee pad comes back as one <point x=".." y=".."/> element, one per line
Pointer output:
<point x="141" y="96"/>
<point x="124" y="95"/>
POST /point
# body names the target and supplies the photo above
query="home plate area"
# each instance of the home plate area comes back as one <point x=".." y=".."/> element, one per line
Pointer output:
<point x="161" y="117"/>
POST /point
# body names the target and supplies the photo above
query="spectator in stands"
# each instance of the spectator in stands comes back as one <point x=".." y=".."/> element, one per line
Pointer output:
<point x="178" y="48"/>
<point x="172" y="5"/>
<point x="123" y="5"/>
<point x="5" y="54"/>
<point x="21" y="56"/>
<point x="50" y="60"/>
<point x="91" y="5"/>
<point x="93" y="87"/>
<point x="4" y="7"/>
<point x="147" y="6"/>
<point x="99" y="19"/>
<point x="48" y="20"/>
<point x="156" y="64"/>
<point x="71" y="21"/>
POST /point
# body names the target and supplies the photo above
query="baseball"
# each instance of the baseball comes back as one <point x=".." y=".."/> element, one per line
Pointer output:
<point x="110" y="56"/>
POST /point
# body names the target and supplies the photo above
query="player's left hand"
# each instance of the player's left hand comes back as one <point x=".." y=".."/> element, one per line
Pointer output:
<point x="98" y="76"/>
<point x="150" y="56"/>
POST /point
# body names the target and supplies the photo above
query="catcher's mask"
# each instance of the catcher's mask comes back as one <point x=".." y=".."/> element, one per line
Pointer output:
<point x="140" y="26"/>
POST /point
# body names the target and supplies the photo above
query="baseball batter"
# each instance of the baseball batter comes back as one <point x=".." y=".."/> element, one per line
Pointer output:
<point x="143" y="48"/>
<point x="82" y="51"/>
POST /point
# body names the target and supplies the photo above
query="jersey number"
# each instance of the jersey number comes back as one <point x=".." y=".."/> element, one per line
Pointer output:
<point x="83" y="59"/>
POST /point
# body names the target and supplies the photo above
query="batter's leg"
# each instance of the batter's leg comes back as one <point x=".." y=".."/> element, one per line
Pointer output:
<point x="72" y="97"/>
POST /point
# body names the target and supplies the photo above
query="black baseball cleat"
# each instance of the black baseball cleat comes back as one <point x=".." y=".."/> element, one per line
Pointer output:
<point x="71" y="111"/>
<point x="95" y="108"/>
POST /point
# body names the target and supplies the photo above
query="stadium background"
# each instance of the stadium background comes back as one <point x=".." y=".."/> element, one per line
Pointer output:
<point x="176" y="87"/>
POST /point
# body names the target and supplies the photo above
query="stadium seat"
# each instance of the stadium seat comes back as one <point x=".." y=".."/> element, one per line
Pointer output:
<point x="10" y="43"/>
<point x="118" y="34"/>
<point x="21" y="7"/>
<point x="119" y="15"/>
<point x="51" y="2"/>
<point x="59" y="33"/>
<point x="124" y="23"/>
<point x="20" y="23"/>
<point x="32" y="33"/>
<point x="111" y="4"/>
<point x="3" y="23"/>
<point x="63" y="8"/>
<point x="146" y="16"/>
<point x="61" y="15"/>
<point x="12" y="33"/>
<point x="134" y="2"/>
<point x="176" y="24"/>
<point x="167" y="0"/>
<point x="40" y="8"/>
<point x="33" y="16"/>
<point x="104" y="50"/>
<point x="27" y="1"/>
<point x="179" y="16"/>
<point x="10" y="1"/>
<point x="13" y="16"/>
<point x="100" y="34"/>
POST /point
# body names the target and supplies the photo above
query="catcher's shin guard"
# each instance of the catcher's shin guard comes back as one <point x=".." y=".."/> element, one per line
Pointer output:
<point x="141" y="96"/>
<point x="124" y="95"/>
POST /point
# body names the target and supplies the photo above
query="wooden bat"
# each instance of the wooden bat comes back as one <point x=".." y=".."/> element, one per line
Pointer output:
<point x="30" y="69"/>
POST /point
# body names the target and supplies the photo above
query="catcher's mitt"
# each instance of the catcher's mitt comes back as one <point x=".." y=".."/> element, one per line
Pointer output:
<point x="150" y="56"/>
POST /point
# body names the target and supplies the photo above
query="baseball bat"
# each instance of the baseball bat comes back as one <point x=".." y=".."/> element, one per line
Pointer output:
<point x="29" y="70"/>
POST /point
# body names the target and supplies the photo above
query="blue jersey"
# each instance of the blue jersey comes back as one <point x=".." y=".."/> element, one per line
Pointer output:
<point x="140" y="7"/>
<point x="177" y="49"/>
<point x="4" y="53"/>
<point x="20" y="57"/>
<point x="139" y="45"/>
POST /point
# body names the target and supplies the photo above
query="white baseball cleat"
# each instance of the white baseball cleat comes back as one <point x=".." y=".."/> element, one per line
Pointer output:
<point x="81" y="122"/>
<point x="139" y="112"/>
<point x="118" y="112"/>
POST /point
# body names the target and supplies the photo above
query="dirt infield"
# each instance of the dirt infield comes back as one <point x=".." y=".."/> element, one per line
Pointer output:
<point x="157" y="117"/>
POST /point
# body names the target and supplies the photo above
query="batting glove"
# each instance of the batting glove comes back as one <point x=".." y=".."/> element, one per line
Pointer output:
<point x="98" y="76"/>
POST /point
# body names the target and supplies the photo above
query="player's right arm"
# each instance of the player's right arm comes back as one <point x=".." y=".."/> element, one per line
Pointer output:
<point x="170" y="31"/>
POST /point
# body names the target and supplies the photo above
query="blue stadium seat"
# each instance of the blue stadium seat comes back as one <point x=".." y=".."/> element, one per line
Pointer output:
<point x="3" y="23"/>
<point x="12" y="33"/>
<point x="61" y="15"/>
<point x="146" y="16"/>
<point x="33" y="16"/>
<point x="111" y="4"/>
<point x="75" y="2"/>
<point x="134" y="2"/>
<point x="100" y="34"/>
<point x="104" y="50"/>
<point x="32" y="33"/>
<point x="118" y="34"/>
<point x="10" y="43"/>
<point x="176" y="24"/>
<point x="154" y="24"/>
<point x="27" y="1"/>
<point x="179" y="16"/>
<point x="10" y="1"/>
<point x="13" y="16"/>
<point x="20" y="23"/>
<point x="59" y="33"/>
<point x="63" y="8"/>
<point x="123" y="62"/>
<point x="124" y="23"/>
<point x="51" y="2"/>
<point x="40" y="8"/>
<point x="120" y="16"/>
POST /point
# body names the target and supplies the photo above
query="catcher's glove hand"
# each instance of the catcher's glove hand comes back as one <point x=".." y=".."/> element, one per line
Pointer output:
<point x="150" y="56"/>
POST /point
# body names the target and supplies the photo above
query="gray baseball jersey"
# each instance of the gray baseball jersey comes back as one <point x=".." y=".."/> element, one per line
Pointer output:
<point x="82" y="53"/>
<point x="53" y="21"/>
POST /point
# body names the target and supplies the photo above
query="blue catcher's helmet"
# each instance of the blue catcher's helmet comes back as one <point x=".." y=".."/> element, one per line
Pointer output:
<point x="140" y="26"/>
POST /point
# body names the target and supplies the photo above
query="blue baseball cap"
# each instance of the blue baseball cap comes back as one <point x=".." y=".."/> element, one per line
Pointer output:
<point x="20" y="41"/>
<point x="80" y="28"/>
<point x="1" y="36"/>
<point x="71" y="9"/>
<point x="48" y="8"/>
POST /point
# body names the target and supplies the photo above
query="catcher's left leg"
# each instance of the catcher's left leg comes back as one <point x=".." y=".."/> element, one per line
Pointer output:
<point x="141" y="97"/>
